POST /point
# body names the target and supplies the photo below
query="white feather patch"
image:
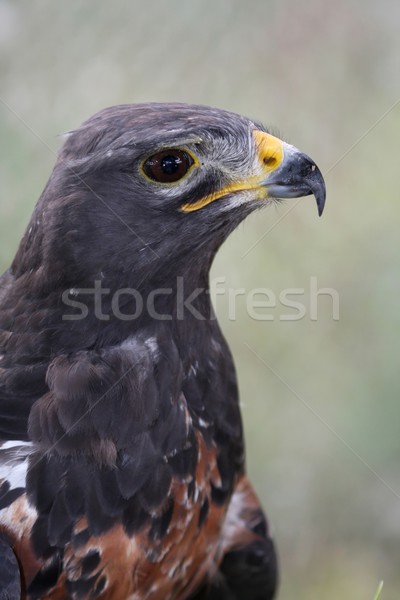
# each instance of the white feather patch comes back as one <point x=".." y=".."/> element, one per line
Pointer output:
<point x="14" y="456"/>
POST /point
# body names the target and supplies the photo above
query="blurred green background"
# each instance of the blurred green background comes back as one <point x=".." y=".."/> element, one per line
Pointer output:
<point x="320" y="397"/>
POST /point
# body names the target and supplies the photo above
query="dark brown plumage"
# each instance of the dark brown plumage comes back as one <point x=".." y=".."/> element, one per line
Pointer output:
<point x="121" y="462"/>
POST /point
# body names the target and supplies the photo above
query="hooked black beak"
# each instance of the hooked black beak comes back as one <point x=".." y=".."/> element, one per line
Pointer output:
<point x="296" y="176"/>
<point x="282" y="172"/>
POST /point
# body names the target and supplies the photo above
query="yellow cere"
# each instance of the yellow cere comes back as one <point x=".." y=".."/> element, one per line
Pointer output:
<point x="270" y="154"/>
<point x="269" y="149"/>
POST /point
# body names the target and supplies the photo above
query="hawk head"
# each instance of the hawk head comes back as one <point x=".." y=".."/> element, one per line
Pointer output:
<point x="150" y="191"/>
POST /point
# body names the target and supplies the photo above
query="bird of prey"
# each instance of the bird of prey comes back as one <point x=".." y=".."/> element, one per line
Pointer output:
<point x="122" y="472"/>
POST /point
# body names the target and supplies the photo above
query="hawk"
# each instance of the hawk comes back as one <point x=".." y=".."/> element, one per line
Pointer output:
<point x="122" y="471"/>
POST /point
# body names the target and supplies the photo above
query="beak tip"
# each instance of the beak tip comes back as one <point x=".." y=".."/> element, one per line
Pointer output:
<point x="317" y="187"/>
<point x="320" y="199"/>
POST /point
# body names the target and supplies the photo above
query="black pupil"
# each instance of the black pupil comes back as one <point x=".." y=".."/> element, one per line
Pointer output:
<point x="170" y="164"/>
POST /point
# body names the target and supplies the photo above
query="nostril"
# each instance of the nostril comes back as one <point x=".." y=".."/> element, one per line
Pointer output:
<point x="271" y="161"/>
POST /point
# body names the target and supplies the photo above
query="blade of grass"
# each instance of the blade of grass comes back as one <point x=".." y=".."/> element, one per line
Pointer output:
<point x="378" y="591"/>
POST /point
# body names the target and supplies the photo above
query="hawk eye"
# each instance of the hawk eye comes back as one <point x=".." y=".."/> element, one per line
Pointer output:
<point x="168" y="166"/>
